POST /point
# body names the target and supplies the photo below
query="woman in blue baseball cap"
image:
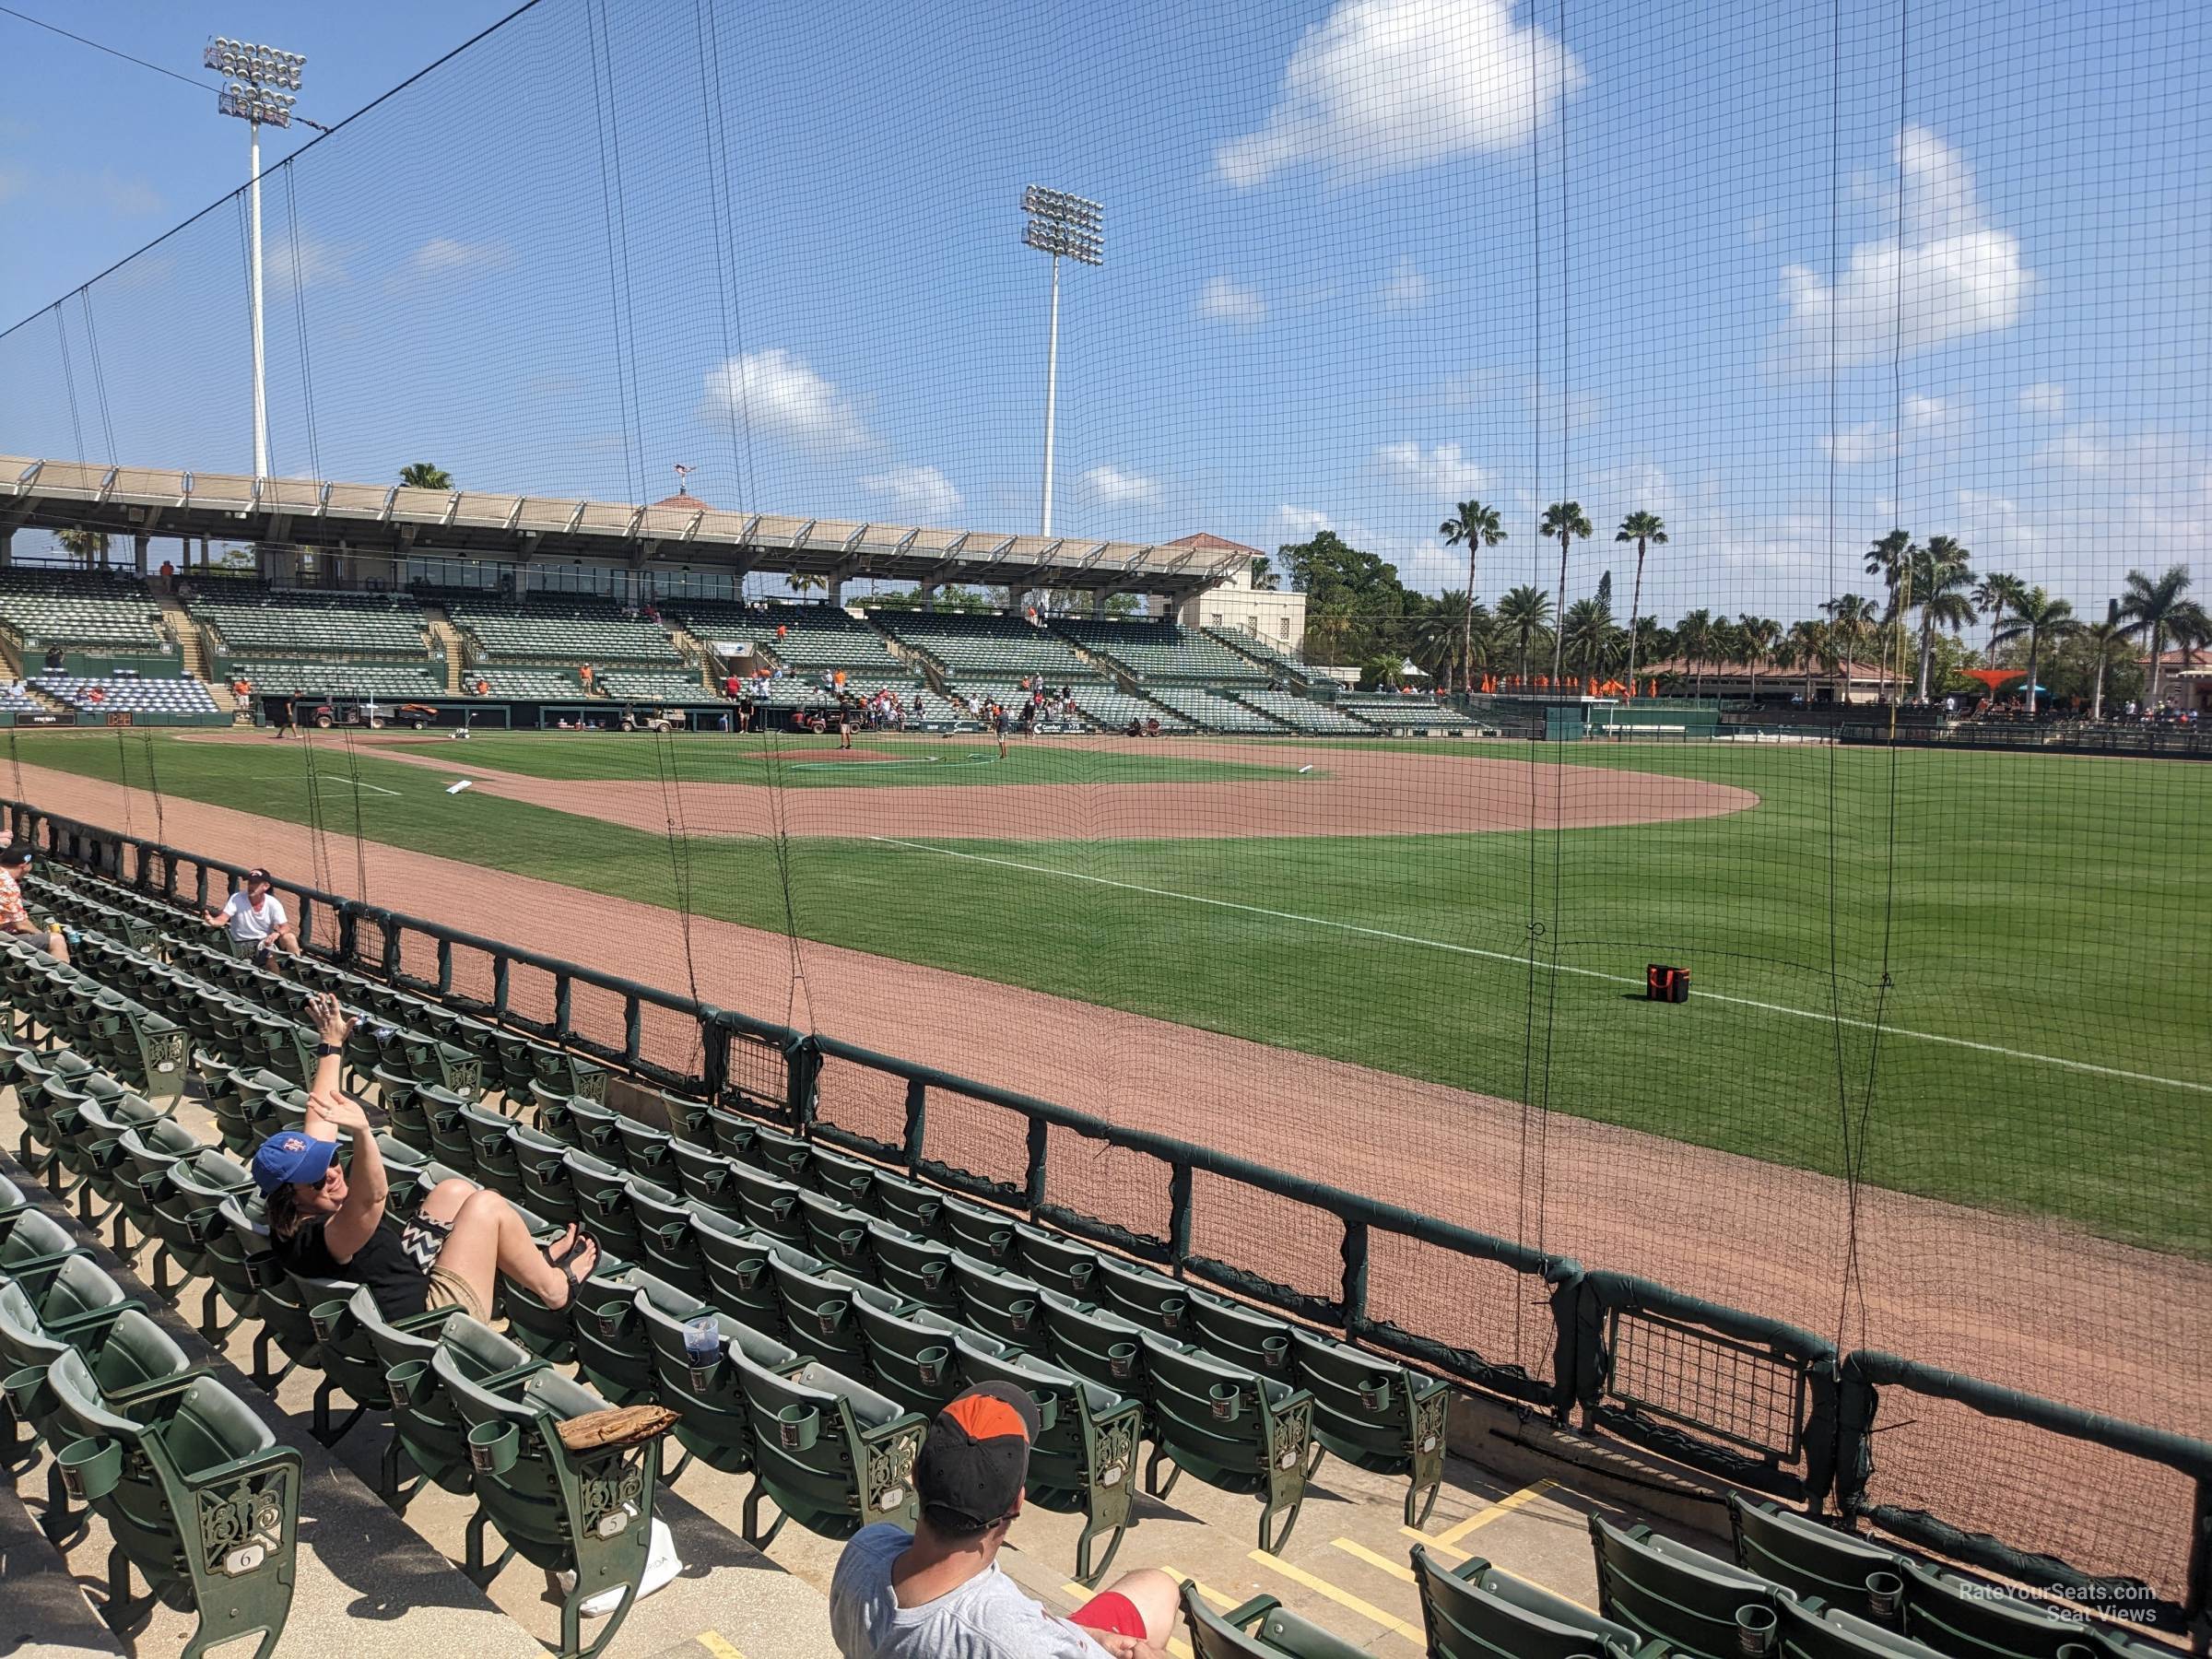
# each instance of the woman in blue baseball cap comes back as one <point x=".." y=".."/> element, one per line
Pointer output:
<point x="326" y="1221"/>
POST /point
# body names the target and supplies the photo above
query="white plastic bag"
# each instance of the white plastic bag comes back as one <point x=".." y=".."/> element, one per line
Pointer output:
<point x="662" y="1564"/>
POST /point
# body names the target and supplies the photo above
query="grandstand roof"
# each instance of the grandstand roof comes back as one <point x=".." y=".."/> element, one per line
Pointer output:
<point x="1208" y="540"/>
<point x="393" y="518"/>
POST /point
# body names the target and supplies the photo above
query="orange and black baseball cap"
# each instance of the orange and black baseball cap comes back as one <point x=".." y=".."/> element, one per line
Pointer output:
<point x="976" y="1456"/>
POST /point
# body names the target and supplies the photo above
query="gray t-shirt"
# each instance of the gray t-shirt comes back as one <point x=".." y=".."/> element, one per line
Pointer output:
<point x="987" y="1618"/>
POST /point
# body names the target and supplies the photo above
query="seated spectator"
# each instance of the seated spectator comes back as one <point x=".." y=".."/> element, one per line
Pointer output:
<point x="15" y="921"/>
<point x="938" y="1592"/>
<point x="325" y="1221"/>
<point x="255" y="919"/>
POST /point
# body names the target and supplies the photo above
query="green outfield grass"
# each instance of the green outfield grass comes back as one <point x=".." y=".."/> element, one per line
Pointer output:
<point x="2046" y="915"/>
<point x="806" y="762"/>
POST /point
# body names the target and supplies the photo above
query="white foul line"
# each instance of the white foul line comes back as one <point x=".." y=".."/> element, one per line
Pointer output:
<point x="1506" y="956"/>
<point x="355" y="782"/>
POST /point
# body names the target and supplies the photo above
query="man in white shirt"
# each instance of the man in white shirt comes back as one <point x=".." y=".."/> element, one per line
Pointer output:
<point x="255" y="919"/>
<point x="938" y="1593"/>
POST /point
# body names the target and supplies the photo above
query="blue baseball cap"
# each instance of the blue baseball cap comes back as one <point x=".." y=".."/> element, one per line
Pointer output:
<point x="291" y="1157"/>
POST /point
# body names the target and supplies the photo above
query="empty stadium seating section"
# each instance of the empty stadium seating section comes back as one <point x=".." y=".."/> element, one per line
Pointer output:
<point x="135" y="696"/>
<point x="251" y="620"/>
<point x="986" y="648"/>
<point x="1162" y="651"/>
<point x="77" y="609"/>
<point x="567" y="629"/>
<point x="802" y="637"/>
<point x="305" y="675"/>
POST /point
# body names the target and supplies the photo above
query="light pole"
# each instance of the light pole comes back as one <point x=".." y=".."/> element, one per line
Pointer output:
<point x="1065" y="227"/>
<point x="258" y="83"/>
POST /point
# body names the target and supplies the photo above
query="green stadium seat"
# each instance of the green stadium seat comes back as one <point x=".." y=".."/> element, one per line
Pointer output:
<point x="492" y="1151"/>
<point x="1958" y="1615"/>
<point x="184" y="1210"/>
<point x="1151" y="1300"/>
<point x="1472" y="1611"/>
<point x="288" y="1301"/>
<point x="542" y="1161"/>
<point x="985" y="1234"/>
<point x="818" y="1310"/>
<point x="237" y="1258"/>
<point x="645" y="1147"/>
<point x="603" y="1204"/>
<point x="32" y="1237"/>
<point x="1003" y="1305"/>
<point x="1257" y="1340"/>
<point x="1057" y="1264"/>
<point x="1233" y="1428"/>
<point x="914" y="1269"/>
<point x="1095" y="1343"/>
<point x="738" y="1281"/>
<point x="913" y="1353"/>
<point x="835" y="1231"/>
<point x="908" y="1203"/>
<point x="668" y="1234"/>
<point x="709" y="1400"/>
<point x="1816" y="1559"/>
<point x="828" y="1452"/>
<point x="1261" y="1629"/>
<point x="846" y="1180"/>
<point x="150" y="1151"/>
<point x="1084" y="1460"/>
<point x="611" y="1352"/>
<point x="1832" y="1633"/>
<point x="704" y="1175"/>
<point x="1695" y="1603"/>
<point x="585" y="1513"/>
<point x="189" y="1448"/>
<point x="1377" y="1415"/>
<point x="426" y="1428"/>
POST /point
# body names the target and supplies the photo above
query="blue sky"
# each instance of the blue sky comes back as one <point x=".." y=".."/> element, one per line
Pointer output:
<point x="1779" y="275"/>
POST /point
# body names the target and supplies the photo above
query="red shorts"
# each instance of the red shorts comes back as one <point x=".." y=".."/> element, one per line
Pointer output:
<point x="1111" y="1612"/>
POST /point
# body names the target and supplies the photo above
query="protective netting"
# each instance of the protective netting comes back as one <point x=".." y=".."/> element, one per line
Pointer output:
<point x="1721" y="492"/>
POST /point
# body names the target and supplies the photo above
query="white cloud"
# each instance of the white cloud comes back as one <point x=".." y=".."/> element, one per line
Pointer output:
<point x="306" y="261"/>
<point x="1382" y="86"/>
<point x="442" y="254"/>
<point x="2084" y="447"/>
<point x="2044" y="398"/>
<point x="1407" y="289"/>
<point x="780" y="394"/>
<point x="1224" y="299"/>
<point x="1947" y="274"/>
<point x="1111" y="487"/>
<point x="1443" y="473"/>
<point x="1548" y="406"/>
<point x="1302" y="523"/>
<point x="920" y="493"/>
<point x="1928" y="421"/>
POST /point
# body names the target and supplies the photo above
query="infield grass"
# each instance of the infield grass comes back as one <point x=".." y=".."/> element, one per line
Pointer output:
<point x="2054" y="910"/>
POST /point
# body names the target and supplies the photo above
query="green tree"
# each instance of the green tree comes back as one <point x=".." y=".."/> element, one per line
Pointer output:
<point x="1695" y="639"/>
<point x="2095" y="651"/>
<point x="1646" y="530"/>
<point x="1526" y="613"/>
<point x="1806" y="646"/>
<point x="1480" y="527"/>
<point x="1891" y="559"/>
<point x="89" y="547"/>
<point x="1940" y="580"/>
<point x="1588" y="636"/>
<point x="1453" y="640"/>
<point x="1759" y="636"/>
<point x="1356" y="609"/>
<point x="2039" y="619"/>
<point x="1995" y="595"/>
<point x="1265" y="578"/>
<point x="1852" y="621"/>
<point x="2158" y="611"/>
<point x="422" y="474"/>
<point x="1566" y="521"/>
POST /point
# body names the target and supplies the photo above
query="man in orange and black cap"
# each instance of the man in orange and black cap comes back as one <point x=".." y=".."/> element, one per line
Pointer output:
<point x="938" y="1593"/>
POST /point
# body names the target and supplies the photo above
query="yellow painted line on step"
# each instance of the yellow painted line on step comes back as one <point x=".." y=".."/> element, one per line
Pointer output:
<point x="1342" y="1598"/>
<point x="1223" y="1601"/>
<point x="1504" y="1506"/>
<point x="1359" y="1551"/>
<point x="1506" y="1571"/>
<point x="717" y="1646"/>
<point x="1435" y="1546"/>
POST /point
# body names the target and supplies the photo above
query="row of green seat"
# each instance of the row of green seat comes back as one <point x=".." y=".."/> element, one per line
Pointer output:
<point x="199" y="1500"/>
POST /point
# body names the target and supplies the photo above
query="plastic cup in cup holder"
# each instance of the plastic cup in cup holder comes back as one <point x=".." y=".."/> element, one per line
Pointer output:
<point x="1755" y="1630"/>
<point x="1885" y="1592"/>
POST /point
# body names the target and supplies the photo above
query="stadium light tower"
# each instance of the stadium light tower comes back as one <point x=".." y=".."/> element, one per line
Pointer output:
<point x="258" y="84"/>
<point x="1066" y="226"/>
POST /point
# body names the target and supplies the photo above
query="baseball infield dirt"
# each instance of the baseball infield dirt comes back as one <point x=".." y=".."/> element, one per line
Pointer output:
<point x="2016" y="1300"/>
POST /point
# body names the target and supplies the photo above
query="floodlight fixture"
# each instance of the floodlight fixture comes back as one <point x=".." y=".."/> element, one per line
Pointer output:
<point x="259" y="84"/>
<point x="1066" y="226"/>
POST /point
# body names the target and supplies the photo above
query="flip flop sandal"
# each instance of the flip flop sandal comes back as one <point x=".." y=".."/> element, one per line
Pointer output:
<point x="565" y="1259"/>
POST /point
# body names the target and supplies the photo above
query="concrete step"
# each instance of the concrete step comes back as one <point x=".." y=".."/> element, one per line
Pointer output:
<point x="42" y="1609"/>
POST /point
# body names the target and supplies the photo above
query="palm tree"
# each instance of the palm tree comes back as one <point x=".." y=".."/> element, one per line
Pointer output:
<point x="1265" y="578"/>
<point x="2108" y="649"/>
<point x="2158" y="611"/>
<point x="87" y="546"/>
<point x="1588" y="635"/>
<point x="1891" y="559"/>
<point x="1479" y="526"/>
<point x="1804" y="646"/>
<point x="1939" y="583"/>
<point x="422" y="474"/>
<point x="1759" y="635"/>
<point x="1695" y="639"/>
<point x="1995" y="594"/>
<point x="1523" y="614"/>
<point x="1852" y="621"/>
<point x="2038" y="617"/>
<point x="1642" y="528"/>
<point x="1566" y="521"/>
